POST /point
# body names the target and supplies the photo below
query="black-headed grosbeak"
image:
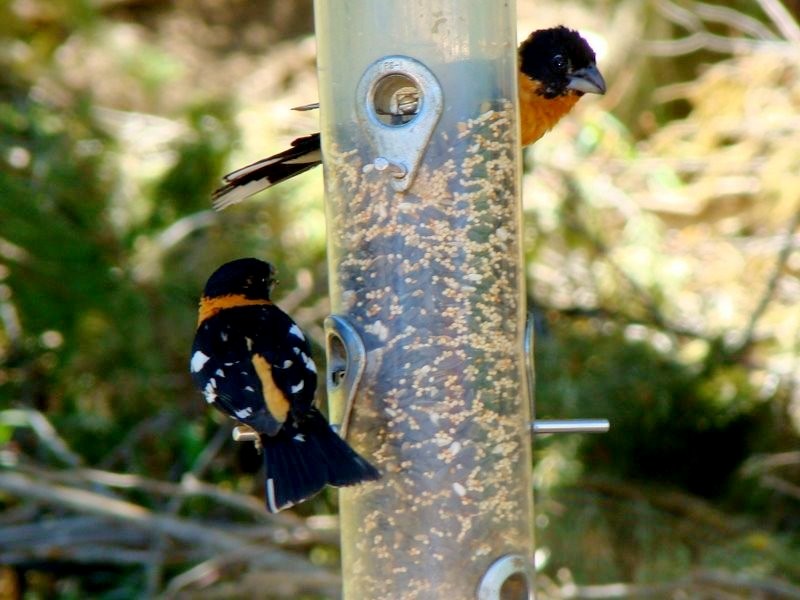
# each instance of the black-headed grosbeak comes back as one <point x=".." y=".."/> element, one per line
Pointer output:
<point x="253" y="363"/>
<point x="556" y="67"/>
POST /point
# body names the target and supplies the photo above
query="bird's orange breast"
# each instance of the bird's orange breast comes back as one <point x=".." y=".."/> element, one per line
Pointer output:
<point x="211" y="306"/>
<point x="539" y="114"/>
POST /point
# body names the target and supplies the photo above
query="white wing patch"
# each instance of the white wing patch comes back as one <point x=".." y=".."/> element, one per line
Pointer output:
<point x="198" y="361"/>
<point x="219" y="372"/>
<point x="224" y="336"/>
<point x="309" y="157"/>
<point x="295" y="331"/>
<point x="249" y="388"/>
<point x="210" y="391"/>
<point x="299" y="438"/>
<point x="287" y="364"/>
<point x="296" y="388"/>
<point x="308" y="362"/>
<point x="241" y="191"/>
<point x="244" y="413"/>
<point x="249" y="343"/>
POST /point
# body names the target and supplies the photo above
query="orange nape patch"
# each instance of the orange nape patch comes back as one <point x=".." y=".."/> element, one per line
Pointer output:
<point x="211" y="306"/>
<point x="274" y="398"/>
<point x="538" y="114"/>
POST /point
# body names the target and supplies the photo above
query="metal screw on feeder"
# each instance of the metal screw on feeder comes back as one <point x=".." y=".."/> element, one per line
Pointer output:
<point x="381" y="164"/>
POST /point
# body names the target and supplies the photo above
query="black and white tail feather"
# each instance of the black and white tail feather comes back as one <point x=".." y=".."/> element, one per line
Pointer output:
<point x="305" y="456"/>
<point x="304" y="154"/>
<point x="253" y="363"/>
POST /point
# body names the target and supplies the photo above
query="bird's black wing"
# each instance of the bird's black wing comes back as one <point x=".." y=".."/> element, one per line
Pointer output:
<point x="251" y="363"/>
<point x="304" y="154"/>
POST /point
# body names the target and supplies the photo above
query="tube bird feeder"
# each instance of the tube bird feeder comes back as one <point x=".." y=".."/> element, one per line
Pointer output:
<point x="426" y="366"/>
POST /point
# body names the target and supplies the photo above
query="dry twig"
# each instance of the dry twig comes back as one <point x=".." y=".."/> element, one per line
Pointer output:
<point x="205" y="538"/>
<point x="44" y="430"/>
<point x="772" y="284"/>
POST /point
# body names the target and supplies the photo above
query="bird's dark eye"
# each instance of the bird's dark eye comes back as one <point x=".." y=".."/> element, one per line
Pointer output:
<point x="559" y="62"/>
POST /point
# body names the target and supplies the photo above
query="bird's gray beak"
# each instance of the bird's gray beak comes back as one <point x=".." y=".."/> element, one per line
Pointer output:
<point x="588" y="80"/>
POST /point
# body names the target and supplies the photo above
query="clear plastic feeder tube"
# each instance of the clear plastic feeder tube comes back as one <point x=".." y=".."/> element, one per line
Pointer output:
<point x="422" y="176"/>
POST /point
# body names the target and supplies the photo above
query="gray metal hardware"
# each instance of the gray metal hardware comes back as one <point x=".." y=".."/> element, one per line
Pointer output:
<point x="347" y="359"/>
<point x="530" y="370"/>
<point x="544" y="426"/>
<point x="512" y="569"/>
<point x="398" y="103"/>
<point x="242" y="433"/>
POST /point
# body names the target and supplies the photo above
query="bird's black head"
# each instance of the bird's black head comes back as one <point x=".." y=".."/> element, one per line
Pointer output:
<point x="562" y="62"/>
<point x="250" y="277"/>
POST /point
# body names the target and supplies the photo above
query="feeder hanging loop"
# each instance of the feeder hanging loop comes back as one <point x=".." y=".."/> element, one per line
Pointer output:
<point x="398" y="104"/>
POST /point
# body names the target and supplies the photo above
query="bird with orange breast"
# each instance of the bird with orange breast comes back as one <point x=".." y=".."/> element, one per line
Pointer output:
<point x="557" y="66"/>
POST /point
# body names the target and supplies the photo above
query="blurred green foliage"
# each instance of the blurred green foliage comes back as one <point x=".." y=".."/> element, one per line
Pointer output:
<point x="655" y="227"/>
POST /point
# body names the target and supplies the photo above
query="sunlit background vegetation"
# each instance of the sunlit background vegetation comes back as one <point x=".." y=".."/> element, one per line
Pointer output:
<point x="663" y="255"/>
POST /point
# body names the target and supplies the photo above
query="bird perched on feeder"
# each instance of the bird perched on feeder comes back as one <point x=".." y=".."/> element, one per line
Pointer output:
<point x="253" y="363"/>
<point x="556" y="67"/>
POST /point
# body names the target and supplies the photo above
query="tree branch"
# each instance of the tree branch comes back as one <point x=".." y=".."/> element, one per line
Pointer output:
<point x="782" y="18"/>
<point x="772" y="284"/>
<point x="210" y="539"/>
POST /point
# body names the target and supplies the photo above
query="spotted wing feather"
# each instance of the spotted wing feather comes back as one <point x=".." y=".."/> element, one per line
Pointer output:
<point x="226" y="372"/>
